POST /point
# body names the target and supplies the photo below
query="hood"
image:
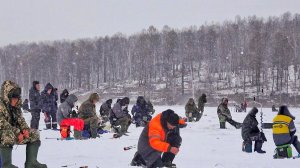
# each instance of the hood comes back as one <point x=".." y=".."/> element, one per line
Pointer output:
<point x="224" y="100"/>
<point x="125" y="101"/>
<point x="94" y="96"/>
<point x="35" y="83"/>
<point x="191" y="101"/>
<point x="71" y="99"/>
<point x="65" y="92"/>
<point x="169" y="116"/>
<point x="109" y="102"/>
<point x="141" y="100"/>
<point x="253" y="111"/>
<point x="283" y="110"/>
<point x="48" y="86"/>
<point x="203" y="98"/>
<point x="7" y="88"/>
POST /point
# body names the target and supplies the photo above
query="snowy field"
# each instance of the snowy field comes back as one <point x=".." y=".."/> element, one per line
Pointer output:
<point x="204" y="146"/>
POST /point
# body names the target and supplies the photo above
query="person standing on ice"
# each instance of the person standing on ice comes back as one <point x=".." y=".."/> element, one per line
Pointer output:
<point x="105" y="110"/>
<point x="64" y="95"/>
<point x="14" y="129"/>
<point x="87" y="112"/>
<point x="284" y="130"/>
<point x="251" y="132"/>
<point x="49" y="106"/>
<point x="225" y="115"/>
<point x="201" y="103"/>
<point x="191" y="111"/>
<point x="161" y="135"/>
<point x="25" y="106"/>
<point x="35" y="109"/>
<point x="119" y="116"/>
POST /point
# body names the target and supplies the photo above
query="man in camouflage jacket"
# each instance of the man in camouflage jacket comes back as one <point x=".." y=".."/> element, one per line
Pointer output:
<point x="87" y="112"/>
<point x="14" y="129"/>
<point x="191" y="111"/>
<point x="225" y="115"/>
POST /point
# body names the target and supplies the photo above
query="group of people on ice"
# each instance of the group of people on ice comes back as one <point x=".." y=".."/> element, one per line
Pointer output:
<point x="159" y="141"/>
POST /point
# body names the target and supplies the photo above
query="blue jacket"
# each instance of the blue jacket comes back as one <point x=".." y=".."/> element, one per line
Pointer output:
<point x="34" y="98"/>
<point x="49" y="102"/>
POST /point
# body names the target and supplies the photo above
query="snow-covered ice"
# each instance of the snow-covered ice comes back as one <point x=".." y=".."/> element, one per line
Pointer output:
<point x="204" y="145"/>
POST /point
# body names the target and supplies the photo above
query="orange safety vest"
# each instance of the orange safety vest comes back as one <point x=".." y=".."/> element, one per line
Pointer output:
<point x="157" y="134"/>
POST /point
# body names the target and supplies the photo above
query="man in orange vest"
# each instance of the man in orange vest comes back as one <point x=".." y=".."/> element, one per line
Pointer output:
<point x="161" y="135"/>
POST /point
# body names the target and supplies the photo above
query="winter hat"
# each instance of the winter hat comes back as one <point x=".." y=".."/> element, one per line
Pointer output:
<point x="172" y="118"/>
<point x="35" y="83"/>
<point x="15" y="93"/>
<point x="125" y="101"/>
<point x="283" y="110"/>
<point x="94" y="96"/>
<point x="225" y="100"/>
<point x="254" y="111"/>
<point x="109" y="101"/>
<point x="191" y="100"/>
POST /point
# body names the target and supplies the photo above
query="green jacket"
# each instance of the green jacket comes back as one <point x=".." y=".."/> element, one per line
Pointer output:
<point x="223" y="112"/>
<point x="87" y="109"/>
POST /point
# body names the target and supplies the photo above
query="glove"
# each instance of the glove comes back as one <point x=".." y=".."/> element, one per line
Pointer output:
<point x="145" y="118"/>
<point x="20" y="138"/>
<point x="25" y="133"/>
<point x="182" y="125"/>
<point x="174" y="150"/>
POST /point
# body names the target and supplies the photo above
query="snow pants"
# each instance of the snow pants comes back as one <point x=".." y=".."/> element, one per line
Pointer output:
<point x="50" y="120"/>
<point x="35" y="118"/>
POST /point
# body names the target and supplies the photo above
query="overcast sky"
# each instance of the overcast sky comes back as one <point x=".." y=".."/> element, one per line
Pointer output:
<point x="38" y="20"/>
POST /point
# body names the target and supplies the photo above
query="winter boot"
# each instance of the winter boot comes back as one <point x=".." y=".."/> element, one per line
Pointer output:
<point x="78" y="135"/>
<point x="137" y="160"/>
<point x="222" y="125"/>
<point x="5" y="153"/>
<point x="94" y="133"/>
<point x="247" y="147"/>
<point x="169" y="165"/>
<point x="167" y="159"/>
<point x="31" y="155"/>
<point x="258" y="146"/>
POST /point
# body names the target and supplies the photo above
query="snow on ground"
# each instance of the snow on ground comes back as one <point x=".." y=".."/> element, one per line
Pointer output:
<point x="204" y="145"/>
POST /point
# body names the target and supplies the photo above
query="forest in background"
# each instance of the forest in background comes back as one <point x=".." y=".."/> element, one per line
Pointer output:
<point x="245" y="56"/>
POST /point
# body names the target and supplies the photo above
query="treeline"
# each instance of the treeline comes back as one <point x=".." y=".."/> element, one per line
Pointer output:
<point x="261" y="51"/>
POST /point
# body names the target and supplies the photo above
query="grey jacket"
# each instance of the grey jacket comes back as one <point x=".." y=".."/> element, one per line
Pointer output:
<point x="118" y="111"/>
<point x="250" y="125"/>
<point x="65" y="109"/>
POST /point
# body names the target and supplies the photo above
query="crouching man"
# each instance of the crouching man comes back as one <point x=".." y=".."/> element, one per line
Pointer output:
<point x="250" y="132"/>
<point x="14" y="130"/>
<point x="87" y="112"/>
<point x="161" y="135"/>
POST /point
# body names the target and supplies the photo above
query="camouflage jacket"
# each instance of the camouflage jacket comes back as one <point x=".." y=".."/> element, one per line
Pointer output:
<point x="223" y="112"/>
<point x="191" y="108"/>
<point x="11" y="118"/>
<point x="87" y="110"/>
